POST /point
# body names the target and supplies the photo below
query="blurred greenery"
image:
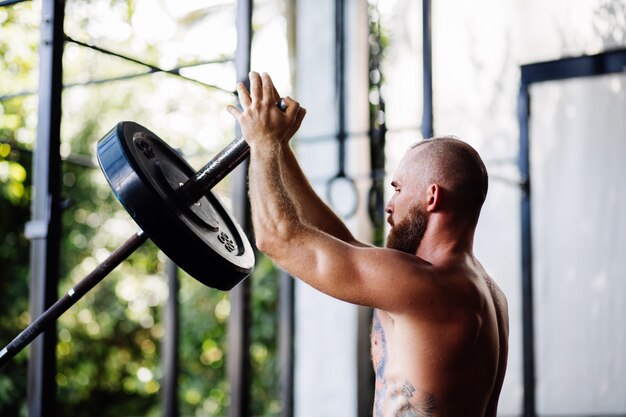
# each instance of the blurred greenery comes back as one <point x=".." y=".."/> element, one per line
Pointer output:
<point x="109" y="343"/>
<point x="18" y="60"/>
<point x="378" y="42"/>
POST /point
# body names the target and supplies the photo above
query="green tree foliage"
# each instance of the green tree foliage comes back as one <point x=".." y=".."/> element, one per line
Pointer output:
<point x="16" y="66"/>
<point x="109" y="343"/>
<point x="14" y="212"/>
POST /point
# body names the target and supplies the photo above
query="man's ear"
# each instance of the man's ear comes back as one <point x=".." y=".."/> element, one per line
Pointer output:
<point x="433" y="198"/>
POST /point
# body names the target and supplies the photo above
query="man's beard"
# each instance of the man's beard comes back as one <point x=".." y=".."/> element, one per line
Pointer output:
<point x="407" y="235"/>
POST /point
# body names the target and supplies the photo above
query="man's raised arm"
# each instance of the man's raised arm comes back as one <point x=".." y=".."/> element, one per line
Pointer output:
<point x="310" y="207"/>
<point x="381" y="278"/>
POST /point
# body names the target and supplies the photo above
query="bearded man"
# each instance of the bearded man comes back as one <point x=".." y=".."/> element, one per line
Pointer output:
<point x="440" y="328"/>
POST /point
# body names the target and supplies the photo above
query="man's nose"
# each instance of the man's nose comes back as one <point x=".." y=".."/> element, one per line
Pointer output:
<point x="389" y="208"/>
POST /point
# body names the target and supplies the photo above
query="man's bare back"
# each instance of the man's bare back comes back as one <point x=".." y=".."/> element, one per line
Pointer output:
<point x="448" y="358"/>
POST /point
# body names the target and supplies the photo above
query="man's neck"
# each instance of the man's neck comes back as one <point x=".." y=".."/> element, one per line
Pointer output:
<point x="446" y="238"/>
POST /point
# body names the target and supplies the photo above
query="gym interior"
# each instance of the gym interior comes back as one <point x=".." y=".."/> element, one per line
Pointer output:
<point x="538" y="88"/>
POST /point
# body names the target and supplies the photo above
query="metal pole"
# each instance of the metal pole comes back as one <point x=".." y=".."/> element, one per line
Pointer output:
<point x="377" y="133"/>
<point x="10" y="2"/>
<point x="376" y="210"/>
<point x="170" y="344"/>
<point x="528" y="337"/>
<point x="286" y="324"/>
<point x="365" y="373"/>
<point x="45" y="228"/>
<point x="217" y="168"/>
<point x="427" y="61"/>
<point x="47" y="318"/>
<point x="340" y="87"/>
<point x="285" y="342"/>
<point x="238" y="365"/>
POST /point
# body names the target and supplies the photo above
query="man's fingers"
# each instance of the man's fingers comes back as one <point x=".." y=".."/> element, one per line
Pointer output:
<point x="234" y="111"/>
<point x="276" y="96"/>
<point x="297" y="122"/>
<point x="296" y="113"/>
<point x="292" y="107"/>
<point x="244" y="96"/>
<point x="299" y="119"/>
<point x="269" y="91"/>
<point x="256" y="87"/>
<point x="263" y="94"/>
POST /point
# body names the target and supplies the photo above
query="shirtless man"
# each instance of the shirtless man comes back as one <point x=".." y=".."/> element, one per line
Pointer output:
<point x="440" y="330"/>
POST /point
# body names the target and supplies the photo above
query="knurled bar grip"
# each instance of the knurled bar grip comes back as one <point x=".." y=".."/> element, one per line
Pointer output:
<point x="213" y="172"/>
<point x="220" y="166"/>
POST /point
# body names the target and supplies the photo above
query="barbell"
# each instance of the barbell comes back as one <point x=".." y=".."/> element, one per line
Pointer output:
<point x="173" y="206"/>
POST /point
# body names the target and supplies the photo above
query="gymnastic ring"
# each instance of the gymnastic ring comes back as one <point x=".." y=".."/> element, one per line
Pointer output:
<point x="341" y="180"/>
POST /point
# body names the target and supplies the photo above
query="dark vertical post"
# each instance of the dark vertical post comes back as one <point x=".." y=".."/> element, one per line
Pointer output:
<point x="285" y="343"/>
<point x="377" y="129"/>
<point x="340" y="84"/>
<point x="170" y="344"/>
<point x="427" y="61"/>
<point x="286" y="324"/>
<point x="365" y="372"/>
<point x="528" y="337"/>
<point x="376" y="205"/>
<point x="45" y="228"/>
<point x="239" y="367"/>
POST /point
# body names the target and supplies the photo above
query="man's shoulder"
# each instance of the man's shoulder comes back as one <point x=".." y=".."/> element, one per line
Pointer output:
<point x="496" y="292"/>
<point x="463" y="290"/>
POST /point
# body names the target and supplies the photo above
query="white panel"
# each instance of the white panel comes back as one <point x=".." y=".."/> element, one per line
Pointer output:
<point x="578" y="171"/>
<point x="325" y="362"/>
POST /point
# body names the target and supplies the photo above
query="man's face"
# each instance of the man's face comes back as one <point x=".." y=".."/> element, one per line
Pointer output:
<point x="407" y="216"/>
<point x="407" y="234"/>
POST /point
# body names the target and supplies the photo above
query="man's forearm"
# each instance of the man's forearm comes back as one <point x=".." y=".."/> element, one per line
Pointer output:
<point x="311" y="209"/>
<point x="274" y="215"/>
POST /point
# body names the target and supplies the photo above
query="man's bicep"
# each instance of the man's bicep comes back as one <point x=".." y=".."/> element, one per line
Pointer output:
<point x="375" y="277"/>
<point x="391" y="280"/>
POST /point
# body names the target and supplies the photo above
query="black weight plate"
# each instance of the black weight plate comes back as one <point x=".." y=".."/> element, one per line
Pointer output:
<point x="202" y="238"/>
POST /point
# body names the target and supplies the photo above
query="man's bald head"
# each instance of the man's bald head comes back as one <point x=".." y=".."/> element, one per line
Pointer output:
<point x="455" y="167"/>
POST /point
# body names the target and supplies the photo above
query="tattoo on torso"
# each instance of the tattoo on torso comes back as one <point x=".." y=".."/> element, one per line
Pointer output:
<point x="398" y="400"/>
<point x="404" y="405"/>
<point x="379" y="359"/>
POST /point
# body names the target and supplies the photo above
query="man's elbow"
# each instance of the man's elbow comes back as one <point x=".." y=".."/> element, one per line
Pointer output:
<point x="273" y="242"/>
<point x="266" y="243"/>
